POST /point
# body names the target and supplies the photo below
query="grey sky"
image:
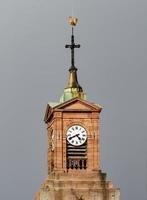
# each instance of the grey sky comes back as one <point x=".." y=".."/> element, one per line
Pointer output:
<point x="112" y="69"/>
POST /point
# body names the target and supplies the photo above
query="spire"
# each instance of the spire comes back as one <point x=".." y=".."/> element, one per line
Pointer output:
<point x="73" y="88"/>
<point x="73" y="81"/>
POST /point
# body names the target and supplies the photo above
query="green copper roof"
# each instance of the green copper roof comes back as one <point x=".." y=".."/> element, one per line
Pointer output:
<point x="70" y="93"/>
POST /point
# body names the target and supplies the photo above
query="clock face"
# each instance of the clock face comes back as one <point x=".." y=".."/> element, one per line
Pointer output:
<point x="76" y="135"/>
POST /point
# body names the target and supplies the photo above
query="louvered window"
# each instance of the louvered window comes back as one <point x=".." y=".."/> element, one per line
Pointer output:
<point x="77" y="156"/>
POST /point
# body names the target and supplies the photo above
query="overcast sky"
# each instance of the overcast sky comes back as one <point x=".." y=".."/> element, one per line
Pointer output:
<point x="112" y="63"/>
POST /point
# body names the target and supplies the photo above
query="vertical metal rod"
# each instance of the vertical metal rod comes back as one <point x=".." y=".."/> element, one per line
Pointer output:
<point x="72" y="50"/>
<point x="72" y="2"/>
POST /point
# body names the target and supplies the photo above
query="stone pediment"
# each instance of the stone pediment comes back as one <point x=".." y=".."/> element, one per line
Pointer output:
<point x="75" y="104"/>
<point x="78" y="104"/>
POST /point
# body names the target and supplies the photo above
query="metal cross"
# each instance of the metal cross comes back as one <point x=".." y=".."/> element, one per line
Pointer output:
<point x="72" y="46"/>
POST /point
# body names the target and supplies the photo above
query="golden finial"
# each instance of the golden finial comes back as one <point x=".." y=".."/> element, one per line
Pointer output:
<point x="72" y="21"/>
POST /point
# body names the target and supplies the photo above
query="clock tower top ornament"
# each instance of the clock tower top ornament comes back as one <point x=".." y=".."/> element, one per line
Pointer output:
<point x="73" y="151"/>
<point x="73" y="88"/>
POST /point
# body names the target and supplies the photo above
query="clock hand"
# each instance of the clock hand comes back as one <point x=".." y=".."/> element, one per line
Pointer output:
<point x="73" y="136"/>
<point x="78" y="137"/>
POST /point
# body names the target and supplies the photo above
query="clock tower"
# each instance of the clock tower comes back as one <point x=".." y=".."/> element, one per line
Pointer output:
<point x="73" y="130"/>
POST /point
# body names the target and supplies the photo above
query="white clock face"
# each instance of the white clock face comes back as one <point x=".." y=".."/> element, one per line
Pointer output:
<point x="76" y="135"/>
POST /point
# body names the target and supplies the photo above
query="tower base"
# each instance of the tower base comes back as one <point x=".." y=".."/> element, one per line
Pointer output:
<point x="73" y="185"/>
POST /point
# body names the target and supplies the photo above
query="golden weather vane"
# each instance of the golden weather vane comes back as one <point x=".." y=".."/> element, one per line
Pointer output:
<point x="72" y="21"/>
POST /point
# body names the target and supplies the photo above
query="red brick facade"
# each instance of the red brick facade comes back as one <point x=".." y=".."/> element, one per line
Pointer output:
<point x="82" y="179"/>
